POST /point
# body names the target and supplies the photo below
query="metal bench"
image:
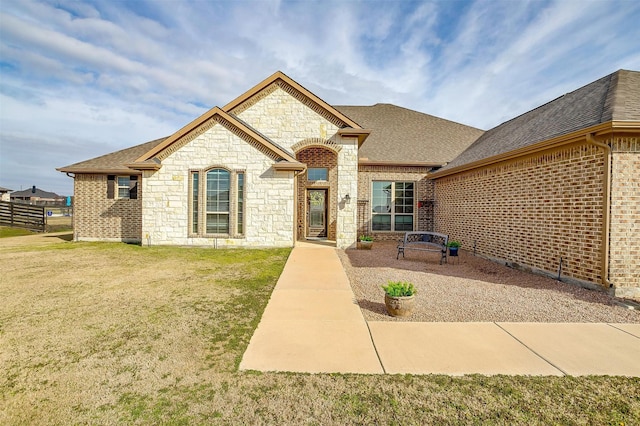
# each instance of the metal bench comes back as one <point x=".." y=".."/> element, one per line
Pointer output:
<point x="424" y="241"/>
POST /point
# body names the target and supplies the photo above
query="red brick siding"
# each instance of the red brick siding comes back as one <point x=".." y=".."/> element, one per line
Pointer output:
<point x="530" y="211"/>
<point x="97" y="217"/>
<point x="318" y="157"/>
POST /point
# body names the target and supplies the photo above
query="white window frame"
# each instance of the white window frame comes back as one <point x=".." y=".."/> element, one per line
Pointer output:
<point x="126" y="186"/>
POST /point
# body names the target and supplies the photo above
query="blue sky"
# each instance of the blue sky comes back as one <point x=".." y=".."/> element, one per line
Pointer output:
<point x="80" y="79"/>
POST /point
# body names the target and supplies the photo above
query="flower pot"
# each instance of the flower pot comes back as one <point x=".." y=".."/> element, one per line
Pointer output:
<point x="365" y="245"/>
<point x="453" y="251"/>
<point x="399" y="306"/>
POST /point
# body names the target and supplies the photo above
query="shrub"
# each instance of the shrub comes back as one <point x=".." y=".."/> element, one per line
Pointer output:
<point x="366" y="238"/>
<point x="453" y="244"/>
<point x="399" y="289"/>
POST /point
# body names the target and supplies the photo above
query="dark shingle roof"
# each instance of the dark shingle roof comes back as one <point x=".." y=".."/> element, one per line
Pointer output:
<point x="113" y="162"/>
<point x="402" y="135"/>
<point x="26" y="193"/>
<point x="611" y="98"/>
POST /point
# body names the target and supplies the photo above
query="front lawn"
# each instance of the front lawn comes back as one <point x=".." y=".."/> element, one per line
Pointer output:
<point x="100" y="333"/>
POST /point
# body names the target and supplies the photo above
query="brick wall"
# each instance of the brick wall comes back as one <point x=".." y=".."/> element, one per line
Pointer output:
<point x="624" y="240"/>
<point x="98" y="218"/>
<point x="531" y="211"/>
<point x="423" y="216"/>
<point x="318" y="157"/>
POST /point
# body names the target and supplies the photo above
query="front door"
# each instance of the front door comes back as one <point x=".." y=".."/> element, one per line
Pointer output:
<point x="317" y="213"/>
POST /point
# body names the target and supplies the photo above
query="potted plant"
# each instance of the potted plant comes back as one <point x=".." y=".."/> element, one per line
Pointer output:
<point x="399" y="298"/>
<point x="453" y="247"/>
<point x="365" y="242"/>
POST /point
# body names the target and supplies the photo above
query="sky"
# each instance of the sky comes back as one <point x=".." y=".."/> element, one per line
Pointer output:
<point x="79" y="79"/>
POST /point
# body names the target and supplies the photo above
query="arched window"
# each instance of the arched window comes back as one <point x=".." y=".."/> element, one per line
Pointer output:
<point x="217" y="201"/>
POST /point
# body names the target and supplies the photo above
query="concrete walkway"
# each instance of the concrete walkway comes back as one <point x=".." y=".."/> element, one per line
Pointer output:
<point x="313" y="324"/>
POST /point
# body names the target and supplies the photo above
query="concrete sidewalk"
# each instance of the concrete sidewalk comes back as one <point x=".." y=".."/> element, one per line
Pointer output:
<point x="312" y="324"/>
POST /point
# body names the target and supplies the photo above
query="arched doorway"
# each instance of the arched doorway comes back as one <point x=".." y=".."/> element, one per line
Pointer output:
<point x="317" y="201"/>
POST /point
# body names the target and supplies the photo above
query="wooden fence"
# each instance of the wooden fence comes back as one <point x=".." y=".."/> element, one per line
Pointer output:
<point x="23" y="216"/>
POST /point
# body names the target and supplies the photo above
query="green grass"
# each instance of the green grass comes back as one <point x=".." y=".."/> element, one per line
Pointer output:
<point x="6" y="231"/>
<point x="96" y="333"/>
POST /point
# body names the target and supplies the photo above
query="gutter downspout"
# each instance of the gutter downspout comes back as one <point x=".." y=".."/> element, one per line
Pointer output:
<point x="606" y="208"/>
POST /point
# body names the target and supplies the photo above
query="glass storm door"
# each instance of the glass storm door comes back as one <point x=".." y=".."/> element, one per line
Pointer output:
<point x="317" y="213"/>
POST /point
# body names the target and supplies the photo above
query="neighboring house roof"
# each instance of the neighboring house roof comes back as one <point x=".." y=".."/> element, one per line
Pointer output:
<point x="615" y="97"/>
<point x="114" y="162"/>
<point x="39" y="193"/>
<point x="3" y="189"/>
<point x="402" y="136"/>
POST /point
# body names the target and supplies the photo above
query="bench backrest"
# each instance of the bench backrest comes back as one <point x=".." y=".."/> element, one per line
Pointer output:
<point x="427" y="237"/>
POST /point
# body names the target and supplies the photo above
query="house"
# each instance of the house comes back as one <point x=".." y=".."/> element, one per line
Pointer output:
<point x="278" y="164"/>
<point x="556" y="189"/>
<point x="36" y="196"/>
<point x="275" y="165"/>
<point x="4" y="194"/>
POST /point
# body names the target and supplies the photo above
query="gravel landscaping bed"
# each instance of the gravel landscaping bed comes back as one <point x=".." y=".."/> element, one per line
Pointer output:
<point x="473" y="289"/>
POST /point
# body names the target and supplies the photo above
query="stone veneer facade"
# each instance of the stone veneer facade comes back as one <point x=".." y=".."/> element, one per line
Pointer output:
<point x="97" y="218"/>
<point x="269" y="210"/>
<point x="290" y="121"/>
<point x="423" y="197"/>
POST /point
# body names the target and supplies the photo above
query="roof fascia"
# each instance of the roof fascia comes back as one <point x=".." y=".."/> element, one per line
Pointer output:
<point x="289" y="166"/>
<point x="540" y="146"/>
<point x="204" y="117"/>
<point x="279" y="75"/>
<point x="366" y="162"/>
<point x="99" y="171"/>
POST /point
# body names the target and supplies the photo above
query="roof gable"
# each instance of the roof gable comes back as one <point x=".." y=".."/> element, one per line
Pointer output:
<point x="279" y="79"/>
<point x="615" y="97"/>
<point x="205" y="122"/>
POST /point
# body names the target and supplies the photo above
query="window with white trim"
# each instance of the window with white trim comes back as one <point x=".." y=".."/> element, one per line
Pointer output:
<point x="123" y="187"/>
<point x="392" y="206"/>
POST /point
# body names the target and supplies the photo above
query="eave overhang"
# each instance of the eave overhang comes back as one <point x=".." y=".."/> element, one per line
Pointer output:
<point x="361" y="134"/>
<point x="152" y="164"/>
<point x="573" y="137"/>
<point x="99" y="171"/>
<point x="294" y="166"/>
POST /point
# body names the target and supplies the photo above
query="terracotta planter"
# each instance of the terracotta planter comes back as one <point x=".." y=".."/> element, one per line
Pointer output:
<point x="365" y="245"/>
<point x="399" y="306"/>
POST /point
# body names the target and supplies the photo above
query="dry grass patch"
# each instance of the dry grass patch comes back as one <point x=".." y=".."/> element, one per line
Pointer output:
<point x="85" y="325"/>
<point x="120" y="334"/>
